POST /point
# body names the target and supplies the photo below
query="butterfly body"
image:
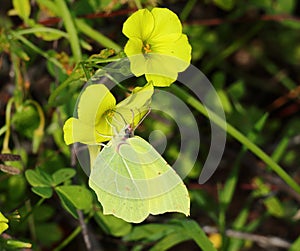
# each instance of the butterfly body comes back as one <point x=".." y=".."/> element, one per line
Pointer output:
<point x="122" y="137"/>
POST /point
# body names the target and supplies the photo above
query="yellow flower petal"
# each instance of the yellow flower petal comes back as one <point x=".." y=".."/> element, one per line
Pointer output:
<point x="103" y="128"/>
<point x="162" y="66"/>
<point x="138" y="64"/>
<point x="162" y="52"/>
<point x="133" y="50"/>
<point x="77" y="131"/>
<point x="89" y="128"/>
<point x="160" y="81"/>
<point x="133" y="46"/>
<point x="177" y="48"/>
<point x="135" y="106"/>
<point x="139" y="25"/>
<point x="3" y="223"/>
<point x="165" y="22"/>
<point x="94" y="101"/>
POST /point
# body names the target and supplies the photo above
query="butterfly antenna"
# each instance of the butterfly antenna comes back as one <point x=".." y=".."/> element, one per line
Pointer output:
<point x="141" y="121"/>
<point x="112" y="126"/>
<point x="122" y="117"/>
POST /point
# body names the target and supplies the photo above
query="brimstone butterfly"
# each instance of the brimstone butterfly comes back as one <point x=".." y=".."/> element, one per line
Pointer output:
<point x="132" y="180"/>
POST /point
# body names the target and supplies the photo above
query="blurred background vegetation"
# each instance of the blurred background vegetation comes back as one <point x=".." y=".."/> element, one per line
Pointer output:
<point x="250" y="51"/>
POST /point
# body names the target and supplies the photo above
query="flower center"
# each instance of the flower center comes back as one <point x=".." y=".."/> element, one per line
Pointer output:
<point x="146" y="48"/>
<point x="108" y="115"/>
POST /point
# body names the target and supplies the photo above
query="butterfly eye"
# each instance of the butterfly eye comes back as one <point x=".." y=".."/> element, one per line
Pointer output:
<point x="128" y="132"/>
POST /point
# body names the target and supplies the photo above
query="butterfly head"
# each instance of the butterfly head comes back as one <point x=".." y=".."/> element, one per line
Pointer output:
<point x="128" y="131"/>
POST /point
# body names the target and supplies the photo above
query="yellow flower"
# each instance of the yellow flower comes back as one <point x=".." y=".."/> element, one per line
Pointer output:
<point x="3" y="223"/>
<point x="156" y="45"/>
<point x="99" y="115"/>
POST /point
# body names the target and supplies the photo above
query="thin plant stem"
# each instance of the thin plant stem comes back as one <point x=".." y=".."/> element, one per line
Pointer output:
<point x="96" y="35"/>
<point x="237" y="135"/>
<point x="5" y="147"/>
<point x="37" y="50"/>
<point x="138" y="4"/>
<point x="70" y="28"/>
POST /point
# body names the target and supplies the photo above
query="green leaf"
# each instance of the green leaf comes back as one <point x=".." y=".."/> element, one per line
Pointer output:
<point x="274" y="206"/>
<point x="150" y="232"/>
<point x="67" y="204"/>
<point x="296" y="245"/>
<point x="43" y="213"/>
<point x="48" y="35"/>
<point x="284" y="6"/>
<point x="18" y="244"/>
<point x="44" y="192"/>
<point x="3" y="223"/>
<point x="63" y="175"/>
<point x="16" y="187"/>
<point x="74" y="197"/>
<point x="26" y="120"/>
<point x="112" y="225"/>
<point x="170" y="241"/>
<point x="225" y="4"/>
<point x="38" y="178"/>
<point x="237" y="90"/>
<point x="194" y="231"/>
<point x="48" y="233"/>
<point x="22" y="9"/>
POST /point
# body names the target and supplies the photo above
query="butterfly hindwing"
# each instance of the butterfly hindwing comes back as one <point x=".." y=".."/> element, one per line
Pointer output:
<point x="132" y="180"/>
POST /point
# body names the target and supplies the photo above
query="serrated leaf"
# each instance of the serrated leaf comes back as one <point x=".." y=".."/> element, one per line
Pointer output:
<point x="38" y="178"/>
<point x="44" y="192"/>
<point x="112" y="225"/>
<point x="63" y="175"/>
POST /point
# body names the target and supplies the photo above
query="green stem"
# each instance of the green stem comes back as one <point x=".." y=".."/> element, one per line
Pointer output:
<point x="138" y="4"/>
<point x="40" y="202"/>
<point x="39" y="132"/>
<point x="187" y="9"/>
<point x="36" y="30"/>
<point x="96" y="35"/>
<point x="3" y="129"/>
<point x="70" y="28"/>
<point x="5" y="147"/>
<point x="31" y="224"/>
<point x="237" y="135"/>
<point x="72" y="236"/>
<point x="37" y="50"/>
<point x="232" y="48"/>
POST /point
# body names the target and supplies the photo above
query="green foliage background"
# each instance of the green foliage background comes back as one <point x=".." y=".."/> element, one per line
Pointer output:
<point x="250" y="50"/>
